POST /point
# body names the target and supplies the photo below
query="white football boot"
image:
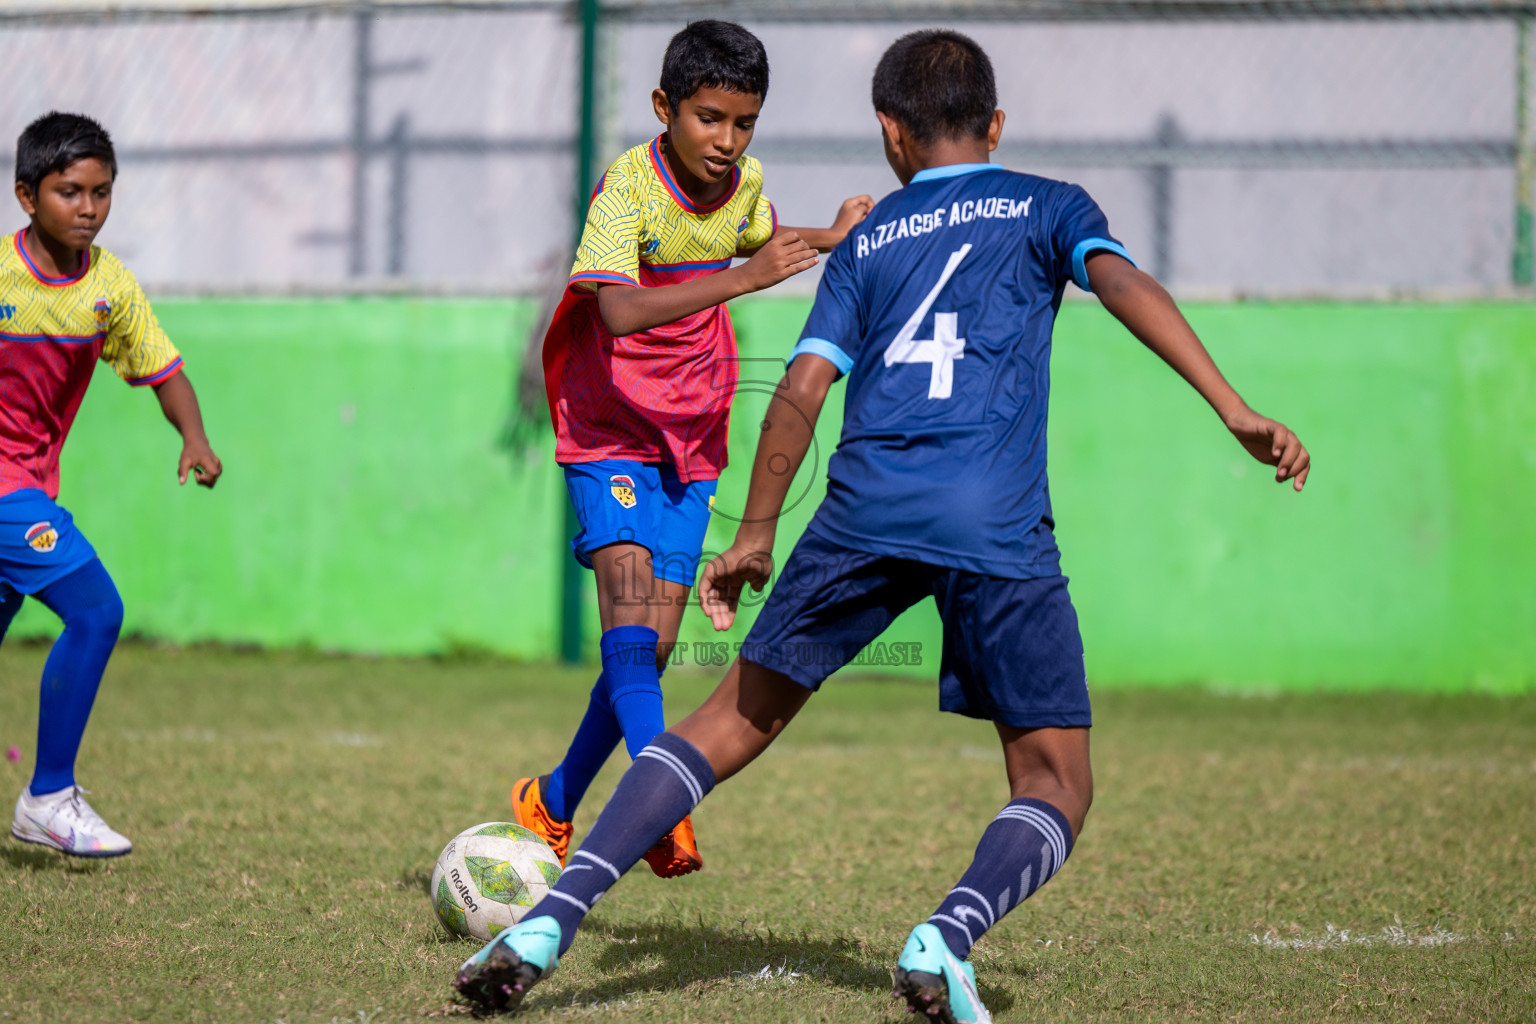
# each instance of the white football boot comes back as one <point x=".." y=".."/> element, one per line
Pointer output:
<point x="64" y="821"/>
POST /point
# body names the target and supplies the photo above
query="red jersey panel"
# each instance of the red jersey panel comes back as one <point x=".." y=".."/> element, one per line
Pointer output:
<point x="52" y="331"/>
<point x="662" y="395"/>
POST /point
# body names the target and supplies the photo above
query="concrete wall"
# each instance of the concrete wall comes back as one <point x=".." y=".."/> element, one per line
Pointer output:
<point x="370" y="505"/>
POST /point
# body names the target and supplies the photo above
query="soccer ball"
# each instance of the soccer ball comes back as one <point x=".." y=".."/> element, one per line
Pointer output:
<point x="489" y="876"/>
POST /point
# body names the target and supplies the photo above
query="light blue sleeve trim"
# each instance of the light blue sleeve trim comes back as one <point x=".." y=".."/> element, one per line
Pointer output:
<point x="824" y="348"/>
<point x="1080" y="258"/>
<point x="951" y="171"/>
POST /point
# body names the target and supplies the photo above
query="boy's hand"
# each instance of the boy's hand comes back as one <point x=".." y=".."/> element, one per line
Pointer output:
<point x="851" y="214"/>
<point x="720" y="586"/>
<point x="1273" y="444"/>
<point x="785" y="255"/>
<point x="179" y="403"/>
<point x="198" y="459"/>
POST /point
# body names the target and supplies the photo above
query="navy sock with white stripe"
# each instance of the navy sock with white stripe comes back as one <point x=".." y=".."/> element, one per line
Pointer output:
<point x="666" y="782"/>
<point x="1024" y="846"/>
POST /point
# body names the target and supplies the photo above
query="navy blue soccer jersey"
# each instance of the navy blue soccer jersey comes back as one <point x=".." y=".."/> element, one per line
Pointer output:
<point x="939" y="309"/>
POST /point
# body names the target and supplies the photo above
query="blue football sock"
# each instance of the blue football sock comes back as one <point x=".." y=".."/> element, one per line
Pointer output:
<point x="93" y="614"/>
<point x="634" y="684"/>
<point x="595" y="739"/>
<point x="666" y="782"/>
<point x="1024" y="846"/>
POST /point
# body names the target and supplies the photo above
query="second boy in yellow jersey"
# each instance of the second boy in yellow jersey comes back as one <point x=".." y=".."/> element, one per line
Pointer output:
<point x="640" y="368"/>
<point x="64" y="304"/>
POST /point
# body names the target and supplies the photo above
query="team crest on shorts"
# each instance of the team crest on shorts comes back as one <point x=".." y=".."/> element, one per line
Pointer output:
<point x="623" y="490"/>
<point x="42" y="537"/>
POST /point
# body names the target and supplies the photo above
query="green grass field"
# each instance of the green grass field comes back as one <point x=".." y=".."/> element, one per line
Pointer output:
<point x="1288" y="858"/>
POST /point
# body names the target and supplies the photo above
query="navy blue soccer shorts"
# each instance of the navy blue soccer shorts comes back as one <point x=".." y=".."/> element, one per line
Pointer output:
<point x="618" y="501"/>
<point x="1012" y="650"/>
<point x="39" y="543"/>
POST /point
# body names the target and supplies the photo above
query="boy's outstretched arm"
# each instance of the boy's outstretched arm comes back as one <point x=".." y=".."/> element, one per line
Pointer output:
<point x="788" y="427"/>
<point x="1148" y="311"/>
<point x="849" y="216"/>
<point x="627" y="309"/>
<point x="179" y="403"/>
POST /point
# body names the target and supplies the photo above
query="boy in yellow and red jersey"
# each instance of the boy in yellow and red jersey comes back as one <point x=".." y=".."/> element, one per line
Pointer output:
<point x="65" y="303"/>
<point x="640" y="368"/>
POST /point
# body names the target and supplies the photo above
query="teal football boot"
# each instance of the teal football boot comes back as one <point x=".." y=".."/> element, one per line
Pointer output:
<point x="935" y="983"/>
<point x="500" y="975"/>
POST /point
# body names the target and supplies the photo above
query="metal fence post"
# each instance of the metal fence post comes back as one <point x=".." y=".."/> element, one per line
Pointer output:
<point x="1521" y="269"/>
<point x="362" y="75"/>
<point x="572" y="578"/>
<point x="1160" y="182"/>
<point x="399" y="183"/>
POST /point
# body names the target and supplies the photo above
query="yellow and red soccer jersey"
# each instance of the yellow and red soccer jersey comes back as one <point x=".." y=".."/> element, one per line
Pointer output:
<point x="662" y="395"/>
<point x="52" y="331"/>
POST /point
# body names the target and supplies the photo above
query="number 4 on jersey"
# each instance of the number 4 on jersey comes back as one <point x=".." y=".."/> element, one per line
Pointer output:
<point x="944" y="347"/>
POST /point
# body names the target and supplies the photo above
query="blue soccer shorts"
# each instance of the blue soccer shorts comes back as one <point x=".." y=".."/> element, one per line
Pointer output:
<point x="38" y="541"/>
<point x="622" y="502"/>
<point x="1012" y="650"/>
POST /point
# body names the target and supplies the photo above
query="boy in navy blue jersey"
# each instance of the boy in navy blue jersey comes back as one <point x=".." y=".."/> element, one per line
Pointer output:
<point x="938" y="309"/>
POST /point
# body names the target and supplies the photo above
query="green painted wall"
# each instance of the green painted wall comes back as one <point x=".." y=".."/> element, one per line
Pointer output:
<point x="369" y="506"/>
<point x="366" y="504"/>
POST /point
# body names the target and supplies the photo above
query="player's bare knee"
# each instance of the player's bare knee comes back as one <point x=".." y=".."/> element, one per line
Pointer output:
<point x="626" y="587"/>
<point x="1065" y="783"/>
<point x="624" y="590"/>
<point x="1083" y="796"/>
<point x="767" y="699"/>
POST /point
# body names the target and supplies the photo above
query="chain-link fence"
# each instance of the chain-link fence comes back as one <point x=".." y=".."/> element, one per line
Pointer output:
<point x="1238" y="147"/>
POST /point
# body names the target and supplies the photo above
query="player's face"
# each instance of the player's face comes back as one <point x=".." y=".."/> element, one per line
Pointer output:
<point x="710" y="130"/>
<point x="71" y="205"/>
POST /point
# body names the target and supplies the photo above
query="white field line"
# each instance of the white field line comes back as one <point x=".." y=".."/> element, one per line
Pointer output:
<point x="767" y="973"/>
<point x="627" y="1001"/>
<point x="168" y="735"/>
<point x="1335" y="938"/>
<point x="1426" y="765"/>
<point x="351" y="739"/>
<point x="633" y="1000"/>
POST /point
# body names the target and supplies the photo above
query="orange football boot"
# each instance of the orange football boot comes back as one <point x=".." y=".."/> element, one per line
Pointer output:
<point x="677" y="853"/>
<point x="529" y="811"/>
